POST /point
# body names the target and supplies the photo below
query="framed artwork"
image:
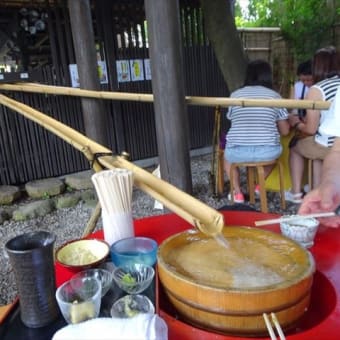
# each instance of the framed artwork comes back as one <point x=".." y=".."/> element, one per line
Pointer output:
<point x="123" y="71"/>
<point x="147" y="69"/>
<point x="137" y="70"/>
<point x="74" y="75"/>
<point x="102" y="72"/>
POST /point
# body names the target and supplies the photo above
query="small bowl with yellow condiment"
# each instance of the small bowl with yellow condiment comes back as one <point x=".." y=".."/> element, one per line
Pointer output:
<point x="81" y="254"/>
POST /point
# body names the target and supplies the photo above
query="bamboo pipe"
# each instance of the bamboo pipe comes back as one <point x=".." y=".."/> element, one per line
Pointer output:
<point x="198" y="214"/>
<point x="190" y="100"/>
<point x="70" y="91"/>
<point x="71" y="136"/>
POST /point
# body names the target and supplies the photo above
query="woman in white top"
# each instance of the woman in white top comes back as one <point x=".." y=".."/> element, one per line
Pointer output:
<point x="326" y="74"/>
<point x="254" y="134"/>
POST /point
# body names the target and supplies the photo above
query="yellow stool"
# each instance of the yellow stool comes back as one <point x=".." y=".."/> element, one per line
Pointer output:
<point x="251" y="181"/>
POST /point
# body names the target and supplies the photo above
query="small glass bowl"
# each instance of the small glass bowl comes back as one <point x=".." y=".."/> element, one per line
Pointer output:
<point x="79" y="299"/>
<point x="130" y="305"/>
<point x="132" y="250"/>
<point x="103" y="275"/>
<point x="135" y="278"/>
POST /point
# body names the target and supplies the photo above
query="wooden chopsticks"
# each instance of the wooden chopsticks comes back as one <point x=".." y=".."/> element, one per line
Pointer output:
<point x="293" y="217"/>
<point x="276" y="325"/>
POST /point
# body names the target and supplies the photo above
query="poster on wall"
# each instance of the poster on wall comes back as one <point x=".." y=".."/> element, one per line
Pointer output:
<point x="137" y="71"/>
<point x="123" y="71"/>
<point x="147" y="69"/>
<point x="74" y="75"/>
<point x="102" y="73"/>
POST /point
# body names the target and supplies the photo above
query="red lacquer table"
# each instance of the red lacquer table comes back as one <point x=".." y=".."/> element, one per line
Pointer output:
<point x="321" y="321"/>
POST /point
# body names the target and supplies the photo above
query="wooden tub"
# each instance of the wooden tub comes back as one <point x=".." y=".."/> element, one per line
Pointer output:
<point x="228" y="290"/>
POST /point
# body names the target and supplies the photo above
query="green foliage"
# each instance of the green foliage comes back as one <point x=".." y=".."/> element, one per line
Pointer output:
<point x="69" y="189"/>
<point x="305" y="25"/>
<point x="46" y="195"/>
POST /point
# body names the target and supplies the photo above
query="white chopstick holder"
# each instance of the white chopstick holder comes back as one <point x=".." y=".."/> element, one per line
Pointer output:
<point x="117" y="226"/>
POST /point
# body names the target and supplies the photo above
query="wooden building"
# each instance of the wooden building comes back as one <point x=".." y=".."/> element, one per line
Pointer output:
<point x="36" y="45"/>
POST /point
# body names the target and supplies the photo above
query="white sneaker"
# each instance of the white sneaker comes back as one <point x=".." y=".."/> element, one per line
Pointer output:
<point x="294" y="198"/>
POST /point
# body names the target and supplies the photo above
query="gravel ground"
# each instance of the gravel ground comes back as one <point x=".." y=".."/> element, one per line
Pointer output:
<point x="69" y="223"/>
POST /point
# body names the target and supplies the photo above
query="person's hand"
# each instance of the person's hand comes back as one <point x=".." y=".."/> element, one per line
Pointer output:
<point x="322" y="199"/>
<point x="293" y="119"/>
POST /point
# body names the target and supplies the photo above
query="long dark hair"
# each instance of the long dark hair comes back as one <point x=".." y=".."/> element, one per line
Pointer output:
<point x="259" y="72"/>
<point x="326" y="63"/>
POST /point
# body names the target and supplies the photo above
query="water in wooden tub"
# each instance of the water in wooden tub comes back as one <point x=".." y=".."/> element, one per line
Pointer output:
<point x="240" y="263"/>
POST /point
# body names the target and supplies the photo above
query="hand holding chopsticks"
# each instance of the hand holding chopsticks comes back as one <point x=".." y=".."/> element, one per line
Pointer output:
<point x="298" y="217"/>
<point x="276" y="324"/>
<point x="294" y="217"/>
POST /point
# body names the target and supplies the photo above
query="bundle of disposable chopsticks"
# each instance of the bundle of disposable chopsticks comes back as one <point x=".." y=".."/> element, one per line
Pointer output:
<point x="114" y="189"/>
<point x="276" y="325"/>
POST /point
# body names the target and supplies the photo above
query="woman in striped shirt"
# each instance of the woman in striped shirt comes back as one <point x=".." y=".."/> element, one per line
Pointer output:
<point x="326" y="75"/>
<point x="254" y="135"/>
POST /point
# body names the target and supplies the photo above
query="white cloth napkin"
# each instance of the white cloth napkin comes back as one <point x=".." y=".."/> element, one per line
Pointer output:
<point x="140" y="327"/>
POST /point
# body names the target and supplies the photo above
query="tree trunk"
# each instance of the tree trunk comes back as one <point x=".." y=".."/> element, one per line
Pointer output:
<point x="224" y="38"/>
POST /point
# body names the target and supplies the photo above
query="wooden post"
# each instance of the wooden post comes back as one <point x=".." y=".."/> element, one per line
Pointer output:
<point x="105" y="16"/>
<point x="86" y="57"/>
<point x="171" y="115"/>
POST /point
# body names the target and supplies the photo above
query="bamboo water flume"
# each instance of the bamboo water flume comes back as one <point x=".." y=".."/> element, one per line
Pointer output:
<point x="198" y="214"/>
<point x="145" y="97"/>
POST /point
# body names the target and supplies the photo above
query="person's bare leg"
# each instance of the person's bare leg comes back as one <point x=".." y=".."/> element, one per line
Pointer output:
<point x="317" y="171"/>
<point x="296" y="167"/>
<point x="236" y="176"/>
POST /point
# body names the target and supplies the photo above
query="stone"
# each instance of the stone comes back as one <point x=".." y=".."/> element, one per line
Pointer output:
<point x="80" y="180"/>
<point x="67" y="200"/>
<point x="89" y="195"/>
<point x="9" y="194"/>
<point x="90" y="203"/>
<point x="4" y="215"/>
<point x="45" y="188"/>
<point x="34" y="209"/>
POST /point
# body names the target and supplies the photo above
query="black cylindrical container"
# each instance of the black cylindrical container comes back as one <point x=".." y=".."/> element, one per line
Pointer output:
<point x="31" y="257"/>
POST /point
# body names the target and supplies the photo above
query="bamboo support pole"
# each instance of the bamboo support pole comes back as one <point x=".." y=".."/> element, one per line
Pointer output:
<point x="190" y="100"/>
<point x="92" y="222"/>
<point x="207" y="219"/>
